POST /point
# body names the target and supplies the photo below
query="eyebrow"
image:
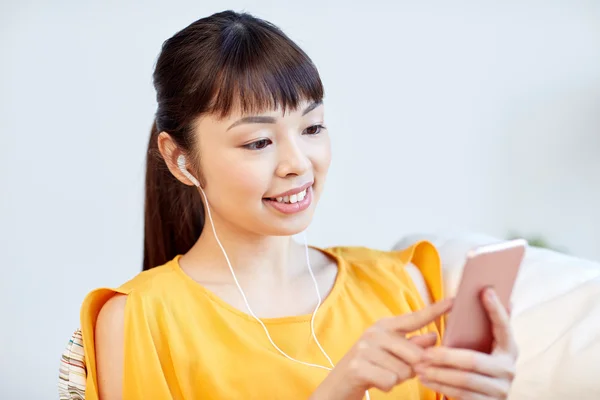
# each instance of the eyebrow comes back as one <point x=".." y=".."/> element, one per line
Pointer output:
<point x="269" y="120"/>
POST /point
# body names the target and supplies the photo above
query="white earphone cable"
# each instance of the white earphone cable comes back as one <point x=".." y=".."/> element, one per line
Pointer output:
<point x="181" y="164"/>
<point x="250" y="309"/>
<point x="312" y="320"/>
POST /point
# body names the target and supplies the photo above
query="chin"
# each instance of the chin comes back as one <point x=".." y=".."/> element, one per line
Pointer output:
<point x="287" y="226"/>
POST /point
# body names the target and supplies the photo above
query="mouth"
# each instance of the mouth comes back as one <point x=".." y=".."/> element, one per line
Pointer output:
<point x="292" y="202"/>
<point x="292" y="196"/>
<point x="290" y="199"/>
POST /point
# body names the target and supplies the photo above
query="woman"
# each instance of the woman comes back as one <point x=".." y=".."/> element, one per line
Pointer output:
<point x="229" y="305"/>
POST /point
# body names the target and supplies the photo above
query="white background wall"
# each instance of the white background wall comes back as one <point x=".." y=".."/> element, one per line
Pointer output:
<point x="444" y="115"/>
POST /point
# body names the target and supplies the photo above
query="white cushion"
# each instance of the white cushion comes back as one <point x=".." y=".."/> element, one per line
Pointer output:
<point x="555" y="317"/>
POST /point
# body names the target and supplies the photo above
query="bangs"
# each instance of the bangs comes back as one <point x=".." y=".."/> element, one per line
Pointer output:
<point x="262" y="70"/>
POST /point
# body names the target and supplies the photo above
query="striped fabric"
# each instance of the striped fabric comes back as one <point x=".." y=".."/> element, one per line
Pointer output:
<point x="72" y="372"/>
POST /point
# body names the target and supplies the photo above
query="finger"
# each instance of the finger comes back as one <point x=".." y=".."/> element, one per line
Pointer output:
<point x="467" y="381"/>
<point x="411" y="322"/>
<point x="391" y="363"/>
<point x="468" y="360"/>
<point x="401" y="348"/>
<point x="454" y="392"/>
<point x="424" y="341"/>
<point x="378" y="377"/>
<point x="500" y="321"/>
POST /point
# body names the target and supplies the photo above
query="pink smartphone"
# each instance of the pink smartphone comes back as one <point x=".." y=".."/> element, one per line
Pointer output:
<point x="497" y="266"/>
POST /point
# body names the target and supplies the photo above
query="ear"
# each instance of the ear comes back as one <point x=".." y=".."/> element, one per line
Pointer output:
<point x="170" y="152"/>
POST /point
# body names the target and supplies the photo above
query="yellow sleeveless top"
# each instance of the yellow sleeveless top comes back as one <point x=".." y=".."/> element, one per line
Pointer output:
<point x="183" y="342"/>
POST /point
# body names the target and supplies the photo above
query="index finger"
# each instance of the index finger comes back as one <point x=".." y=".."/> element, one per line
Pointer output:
<point x="416" y="320"/>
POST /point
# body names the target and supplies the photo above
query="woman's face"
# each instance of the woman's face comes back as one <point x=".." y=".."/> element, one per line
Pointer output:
<point x="265" y="173"/>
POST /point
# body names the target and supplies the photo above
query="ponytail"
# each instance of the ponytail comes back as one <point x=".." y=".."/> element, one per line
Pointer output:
<point x="173" y="212"/>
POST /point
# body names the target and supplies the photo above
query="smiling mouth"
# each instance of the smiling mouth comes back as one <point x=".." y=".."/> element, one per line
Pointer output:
<point x="295" y="198"/>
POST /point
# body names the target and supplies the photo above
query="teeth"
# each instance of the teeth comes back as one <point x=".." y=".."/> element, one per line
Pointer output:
<point x="293" y="198"/>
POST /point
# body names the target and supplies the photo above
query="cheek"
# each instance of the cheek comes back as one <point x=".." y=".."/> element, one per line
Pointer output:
<point x="244" y="180"/>
<point x="321" y="156"/>
<point x="237" y="179"/>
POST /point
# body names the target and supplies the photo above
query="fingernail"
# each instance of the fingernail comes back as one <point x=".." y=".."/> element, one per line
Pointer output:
<point x="491" y="294"/>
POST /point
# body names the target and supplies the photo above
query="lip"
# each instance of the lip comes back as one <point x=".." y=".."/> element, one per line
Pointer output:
<point x="293" y="191"/>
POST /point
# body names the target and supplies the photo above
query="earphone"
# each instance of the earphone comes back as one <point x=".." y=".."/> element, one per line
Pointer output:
<point x="181" y="163"/>
<point x="184" y="171"/>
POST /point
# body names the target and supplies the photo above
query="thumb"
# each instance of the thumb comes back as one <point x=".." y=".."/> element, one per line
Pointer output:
<point x="500" y="319"/>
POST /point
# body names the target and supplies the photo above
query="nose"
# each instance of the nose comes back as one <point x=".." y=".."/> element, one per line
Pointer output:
<point x="293" y="160"/>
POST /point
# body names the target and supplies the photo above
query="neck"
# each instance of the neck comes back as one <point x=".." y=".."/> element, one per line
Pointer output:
<point x="252" y="257"/>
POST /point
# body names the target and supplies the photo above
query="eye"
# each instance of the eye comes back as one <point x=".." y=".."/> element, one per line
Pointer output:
<point x="314" y="129"/>
<point x="258" y="145"/>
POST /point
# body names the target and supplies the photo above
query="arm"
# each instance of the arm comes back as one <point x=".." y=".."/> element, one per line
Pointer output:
<point x="109" y="338"/>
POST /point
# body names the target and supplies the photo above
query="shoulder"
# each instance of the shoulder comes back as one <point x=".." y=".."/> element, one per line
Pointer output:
<point x="108" y="342"/>
<point x="365" y="256"/>
<point x="109" y="304"/>
<point x="417" y="266"/>
<point x="152" y="279"/>
<point x="103" y="318"/>
<point x="143" y="283"/>
<point x="111" y="317"/>
<point x="420" y="255"/>
<point x="144" y="286"/>
<point x="112" y="312"/>
<point x="113" y="309"/>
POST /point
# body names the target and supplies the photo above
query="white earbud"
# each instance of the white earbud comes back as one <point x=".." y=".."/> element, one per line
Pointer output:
<point x="184" y="171"/>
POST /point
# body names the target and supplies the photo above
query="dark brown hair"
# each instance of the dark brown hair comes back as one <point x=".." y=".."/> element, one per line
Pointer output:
<point x="225" y="61"/>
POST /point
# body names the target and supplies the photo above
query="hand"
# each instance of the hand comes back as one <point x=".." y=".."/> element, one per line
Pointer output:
<point x="470" y="375"/>
<point x="383" y="357"/>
